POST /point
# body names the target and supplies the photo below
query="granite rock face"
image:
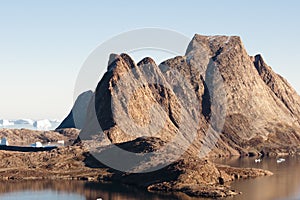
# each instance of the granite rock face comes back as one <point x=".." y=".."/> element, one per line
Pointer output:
<point x="261" y="107"/>
<point x="214" y="101"/>
<point x="216" y="97"/>
<point x="280" y="87"/>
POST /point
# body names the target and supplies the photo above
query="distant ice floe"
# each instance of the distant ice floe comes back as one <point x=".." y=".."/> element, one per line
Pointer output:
<point x="24" y="121"/>
<point x="44" y="124"/>
<point x="5" y="122"/>
<point x="55" y="121"/>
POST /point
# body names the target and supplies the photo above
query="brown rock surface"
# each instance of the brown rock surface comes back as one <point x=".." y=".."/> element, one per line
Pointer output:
<point x="262" y="109"/>
<point x="189" y="175"/>
<point x="214" y="101"/>
<point x="242" y="108"/>
<point x="279" y="85"/>
<point x="25" y="137"/>
<point x="64" y="163"/>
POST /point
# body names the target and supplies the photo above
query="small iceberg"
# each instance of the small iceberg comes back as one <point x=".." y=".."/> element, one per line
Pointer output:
<point x="24" y="121"/>
<point x="280" y="160"/>
<point x="258" y="160"/>
<point x="44" y="124"/>
<point x="4" y="142"/>
<point x="4" y="122"/>
<point x="37" y="145"/>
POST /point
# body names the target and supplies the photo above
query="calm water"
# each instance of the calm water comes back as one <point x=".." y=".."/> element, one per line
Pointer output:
<point x="74" y="190"/>
<point x="283" y="185"/>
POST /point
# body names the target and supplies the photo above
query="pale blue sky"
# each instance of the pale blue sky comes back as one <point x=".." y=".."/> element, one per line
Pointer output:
<point x="44" y="43"/>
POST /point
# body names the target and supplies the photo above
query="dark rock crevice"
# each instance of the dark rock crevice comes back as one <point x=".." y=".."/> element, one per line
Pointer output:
<point x="206" y="103"/>
<point x="217" y="53"/>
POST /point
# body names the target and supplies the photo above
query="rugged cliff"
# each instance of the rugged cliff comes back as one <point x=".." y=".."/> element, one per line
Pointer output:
<point x="216" y="97"/>
<point x="214" y="101"/>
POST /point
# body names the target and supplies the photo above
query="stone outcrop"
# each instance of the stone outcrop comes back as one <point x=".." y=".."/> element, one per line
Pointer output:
<point x="238" y="105"/>
<point x="214" y="101"/>
<point x="25" y="137"/>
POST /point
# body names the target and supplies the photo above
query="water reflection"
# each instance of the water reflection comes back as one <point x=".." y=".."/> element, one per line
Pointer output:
<point x="283" y="185"/>
<point x="45" y="195"/>
<point x="75" y="190"/>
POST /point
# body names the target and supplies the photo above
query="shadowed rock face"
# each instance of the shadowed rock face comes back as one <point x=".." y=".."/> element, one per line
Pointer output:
<point x="76" y="118"/>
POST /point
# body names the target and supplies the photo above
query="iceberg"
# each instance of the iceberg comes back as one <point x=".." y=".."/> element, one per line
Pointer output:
<point x="55" y="121"/>
<point x="5" y="122"/>
<point x="37" y="144"/>
<point x="44" y="124"/>
<point x="24" y="121"/>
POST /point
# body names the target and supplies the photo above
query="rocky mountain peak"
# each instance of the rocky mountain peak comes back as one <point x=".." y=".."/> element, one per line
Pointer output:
<point x="112" y="58"/>
<point x="214" y="44"/>
<point x="146" y="60"/>
<point x="76" y="118"/>
<point x="136" y="100"/>
<point x="259" y="63"/>
<point x="205" y="51"/>
<point x="214" y="101"/>
<point x="120" y="63"/>
<point x="129" y="61"/>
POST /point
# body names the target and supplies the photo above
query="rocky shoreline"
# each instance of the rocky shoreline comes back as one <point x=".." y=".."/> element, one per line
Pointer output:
<point x="191" y="176"/>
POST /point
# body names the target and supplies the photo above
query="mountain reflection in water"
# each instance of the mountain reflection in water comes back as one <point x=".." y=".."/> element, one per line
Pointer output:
<point x="74" y="190"/>
<point x="283" y="185"/>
